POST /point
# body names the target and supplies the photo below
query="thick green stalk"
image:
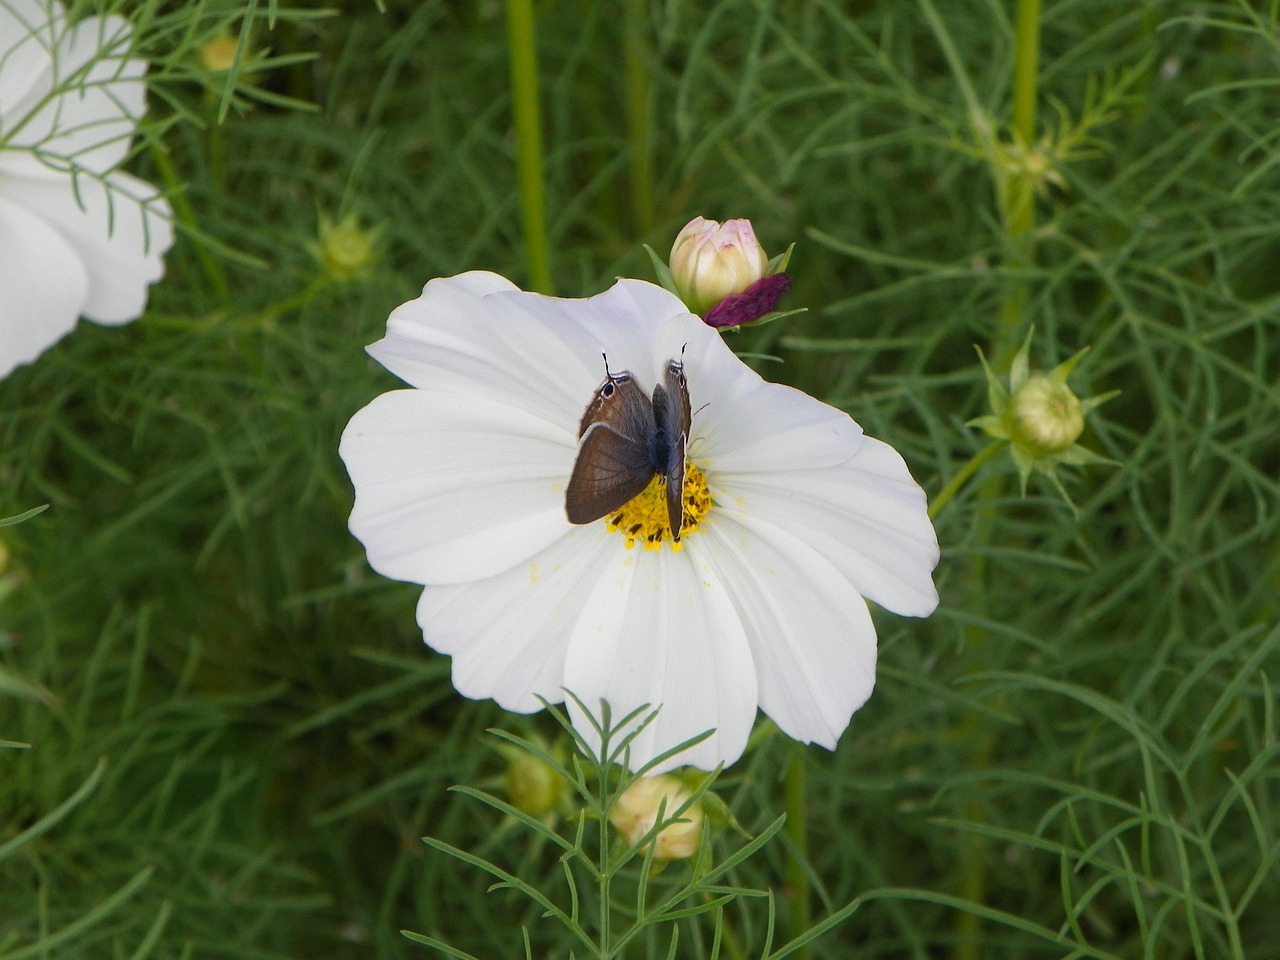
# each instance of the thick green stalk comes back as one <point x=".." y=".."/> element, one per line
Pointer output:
<point x="528" y="121"/>
<point x="635" y="28"/>
<point x="1018" y="195"/>
<point x="1026" y="63"/>
<point x="1018" y="213"/>
<point x="798" y="831"/>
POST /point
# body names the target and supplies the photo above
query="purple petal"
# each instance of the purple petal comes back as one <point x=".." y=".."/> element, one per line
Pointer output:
<point x="751" y="304"/>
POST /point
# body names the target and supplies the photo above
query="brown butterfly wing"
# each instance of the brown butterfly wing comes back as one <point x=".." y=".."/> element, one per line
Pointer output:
<point x="614" y="461"/>
<point x="673" y="415"/>
<point x="610" y="470"/>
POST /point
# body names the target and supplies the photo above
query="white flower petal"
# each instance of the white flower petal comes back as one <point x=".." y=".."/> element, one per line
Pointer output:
<point x="659" y="629"/>
<point x="458" y="338"/>
<point x="477" y="332"/>
<point x="98" y="97"/>
<point x="43" y="285"/>
<point x="810" y="634"/>
<point x="769" y="425"/>
<point x="508" y="634"/>
<point x="866" y="516"/>
<point x="28" y="31"/>
<point x="454" y="488"/>
<point x="120" y="229"/>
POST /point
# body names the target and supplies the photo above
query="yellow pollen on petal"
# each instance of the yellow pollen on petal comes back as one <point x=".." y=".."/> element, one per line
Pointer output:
<point x="643" y="519"/>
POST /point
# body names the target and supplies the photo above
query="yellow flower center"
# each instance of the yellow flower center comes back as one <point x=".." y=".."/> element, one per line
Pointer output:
<point x="643" y="519"/>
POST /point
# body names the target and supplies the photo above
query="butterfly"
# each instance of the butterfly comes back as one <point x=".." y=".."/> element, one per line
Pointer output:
<point x="624" y="438"/>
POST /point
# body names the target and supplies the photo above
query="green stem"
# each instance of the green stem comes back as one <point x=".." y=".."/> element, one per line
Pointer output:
<point x="524" y="105"/>
<point x="606" y="868"/>
<point x="1018" y="212"/>
<point x="639" y="111"/>
<point x="289" y="304"/>
<point x="798" y="832"/>
<point x="968" y="470"/>
<point x="1018" y="195"/>
<point x="185" y="214"/>
<point x="1026" y="63"/>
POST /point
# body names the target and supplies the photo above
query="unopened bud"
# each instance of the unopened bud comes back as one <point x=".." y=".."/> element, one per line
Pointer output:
<point x="636" y="812"/>
<point x="1045" y="417"/>
<point x="346" y="249"/>
<point x="533" y="786"/>
<point x="711" y="261"/>
<point x="219" y="54"/>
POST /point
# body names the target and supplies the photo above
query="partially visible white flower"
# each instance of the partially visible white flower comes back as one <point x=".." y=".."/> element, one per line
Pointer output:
<point x="77" y="236"/>
<point x="792" y="517"/>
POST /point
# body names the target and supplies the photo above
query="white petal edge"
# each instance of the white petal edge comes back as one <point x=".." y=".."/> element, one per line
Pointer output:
<point x="476" y="333"/>
<point x="742" y="423"/>
<point x="96" y="96"/>
<point x="809" y="631"/>
<point x="119" y="227"/>
<point x="508" y="634"/>
<point x="43" y="285"/>
<point x="867" y="517"/>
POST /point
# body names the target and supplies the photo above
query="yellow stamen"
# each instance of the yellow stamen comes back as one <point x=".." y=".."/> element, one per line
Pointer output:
<point x="643" y="519"/>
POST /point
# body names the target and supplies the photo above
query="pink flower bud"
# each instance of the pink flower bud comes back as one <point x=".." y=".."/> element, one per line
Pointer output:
<point x="711" y="261"/>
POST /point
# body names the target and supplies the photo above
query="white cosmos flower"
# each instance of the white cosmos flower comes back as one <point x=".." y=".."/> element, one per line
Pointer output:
<point x="77" y="236"/>
<point x="460" y="486"/>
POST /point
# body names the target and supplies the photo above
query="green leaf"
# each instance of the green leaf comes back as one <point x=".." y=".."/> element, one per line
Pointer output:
<point x="11" y="521"/>
<point x="662" y="271"/>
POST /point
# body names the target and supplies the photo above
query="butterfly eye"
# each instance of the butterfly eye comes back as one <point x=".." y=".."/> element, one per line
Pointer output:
<point x="608" y="389"/>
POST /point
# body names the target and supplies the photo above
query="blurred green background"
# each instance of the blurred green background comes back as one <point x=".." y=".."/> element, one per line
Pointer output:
<point x="236" y="735"/>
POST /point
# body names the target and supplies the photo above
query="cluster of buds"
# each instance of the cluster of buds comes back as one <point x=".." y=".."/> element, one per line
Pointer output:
<point x="722" y="273"/>
<point x="1040" y="416"/>
<point x="666" y="813"/>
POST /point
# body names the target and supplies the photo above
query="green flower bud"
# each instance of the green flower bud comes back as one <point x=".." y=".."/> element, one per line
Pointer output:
<point x="532" y="785"/>
<point x="1040" y="416"/>
<point x="1045" y="417"/>
<point x="346" y="250"/>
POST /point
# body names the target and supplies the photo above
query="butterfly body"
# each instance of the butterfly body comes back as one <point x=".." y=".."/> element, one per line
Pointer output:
<point x="624" y="439"/>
